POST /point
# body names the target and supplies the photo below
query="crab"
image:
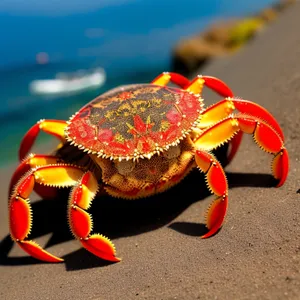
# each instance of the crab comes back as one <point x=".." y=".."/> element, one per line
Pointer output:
<point x="136" y="141"/>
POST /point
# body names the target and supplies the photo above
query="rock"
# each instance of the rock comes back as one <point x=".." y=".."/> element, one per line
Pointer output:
<point x="193" y="53"/>
<point x="221" y="39"/>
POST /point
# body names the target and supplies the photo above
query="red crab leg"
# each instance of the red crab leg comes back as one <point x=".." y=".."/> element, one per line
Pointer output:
<point x="222" y="89"/>
<point x="60" y="175"/>
<point x="264" y="135"/>
<point x="217" y="184"/>
<point x="20" y="215"/>
<point x="164" y="78"/>
<point x="81" y="222"/>
<point x="217" y="85"/>
<point x="53" y="127"/>
<point x="32" y="161"/>
<point x="224" y="108"/>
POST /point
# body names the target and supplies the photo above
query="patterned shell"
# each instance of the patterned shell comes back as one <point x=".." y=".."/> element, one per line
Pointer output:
<point x="134" y="121"/>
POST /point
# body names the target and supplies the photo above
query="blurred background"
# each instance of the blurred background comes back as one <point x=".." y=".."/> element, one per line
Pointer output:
<point x="57" y="55"/>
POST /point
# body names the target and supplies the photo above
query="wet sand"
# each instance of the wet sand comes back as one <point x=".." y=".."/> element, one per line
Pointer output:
<point x="256" y="255"/>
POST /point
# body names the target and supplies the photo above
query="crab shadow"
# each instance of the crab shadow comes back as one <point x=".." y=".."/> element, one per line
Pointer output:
<point x="116" y="217"/>
<point x="122" y="218"/>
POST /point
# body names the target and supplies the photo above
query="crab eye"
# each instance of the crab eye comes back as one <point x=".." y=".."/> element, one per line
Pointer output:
<point x="172" y="152"/>
<point x="124" y="167"/>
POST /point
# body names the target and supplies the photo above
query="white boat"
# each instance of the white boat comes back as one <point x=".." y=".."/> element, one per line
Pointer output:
<point x="66" y="83"/>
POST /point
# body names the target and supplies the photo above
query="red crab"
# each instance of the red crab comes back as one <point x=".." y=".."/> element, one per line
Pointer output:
<point x="135" y="141"/>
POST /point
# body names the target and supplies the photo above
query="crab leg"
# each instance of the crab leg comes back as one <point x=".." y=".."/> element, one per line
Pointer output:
<point x="32" y="161"/>
<point x="217" y="85"/>
<point x="81" y="222"/>
<point x="207" y="119"/>
<point x="164" y="78"/>
<point x="20" y="215"/>
<point x="224" y="108"/>
<point x="59" y="175"/>
<point x="53" y="127"/>
<point x="196" y="85"/>
<point x="217" y="184"/>
<point x="264" y="135"/>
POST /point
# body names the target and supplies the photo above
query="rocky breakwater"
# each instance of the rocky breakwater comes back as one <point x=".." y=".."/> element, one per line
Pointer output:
<point x="223" y="38"/>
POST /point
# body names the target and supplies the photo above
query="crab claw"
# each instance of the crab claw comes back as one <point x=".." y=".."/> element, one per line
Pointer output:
<point x="217" y="184"/>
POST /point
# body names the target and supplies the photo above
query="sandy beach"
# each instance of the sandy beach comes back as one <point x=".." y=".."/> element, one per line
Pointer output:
<point x="256" y="255"/>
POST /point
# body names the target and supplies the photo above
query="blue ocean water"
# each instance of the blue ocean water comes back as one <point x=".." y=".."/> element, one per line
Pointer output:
<point x="131" y="39"/>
